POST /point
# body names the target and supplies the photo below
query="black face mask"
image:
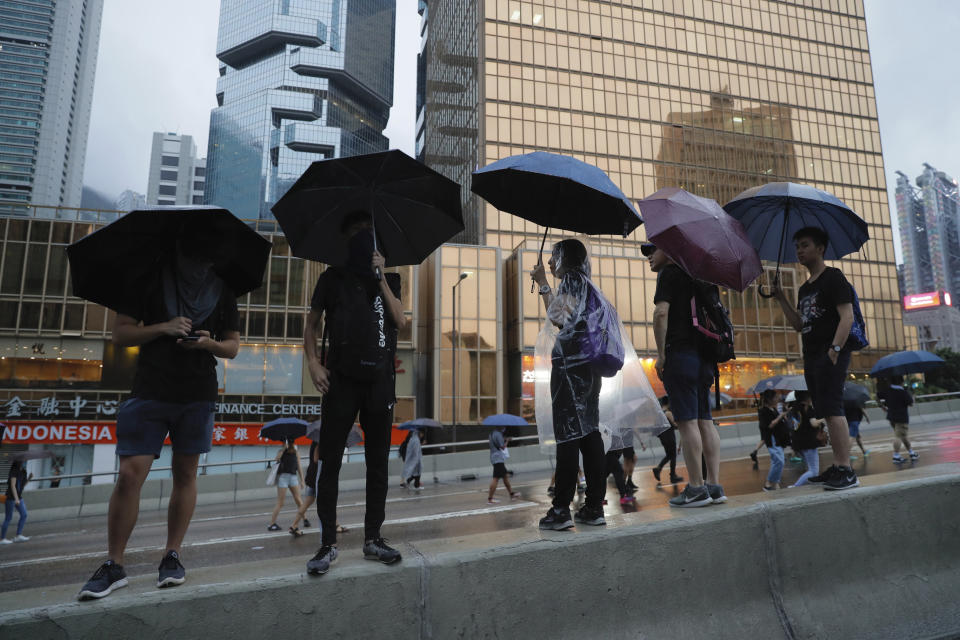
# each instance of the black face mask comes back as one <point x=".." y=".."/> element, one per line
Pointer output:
<point x="360" y="253"/>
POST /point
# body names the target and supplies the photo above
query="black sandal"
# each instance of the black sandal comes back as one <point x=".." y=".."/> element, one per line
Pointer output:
<point x="274" y="527"/>
<point x="295" y="532"/>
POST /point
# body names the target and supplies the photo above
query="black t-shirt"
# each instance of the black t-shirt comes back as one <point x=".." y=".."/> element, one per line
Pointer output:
<point x="853" y="412"/>
<point x="780" y="431"/>
<point x="897" y="400"/>
<point x="168" y="372"/>
<point x="16" y="479"/>
<point x="288" y="462"/>
<point x="805" y="435"/>
<point x="817" y="303"/>
<point x="675" y="286"/>
<point x="325" y="300"/>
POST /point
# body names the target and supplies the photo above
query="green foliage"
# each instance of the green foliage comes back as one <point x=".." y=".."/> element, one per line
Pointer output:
<point x="947" y="377"/>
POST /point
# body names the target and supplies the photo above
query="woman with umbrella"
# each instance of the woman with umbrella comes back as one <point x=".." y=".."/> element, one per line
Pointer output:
<point x="412" y="460"/>
<point x="16" y="481"/>
<point x="289" y="476"/>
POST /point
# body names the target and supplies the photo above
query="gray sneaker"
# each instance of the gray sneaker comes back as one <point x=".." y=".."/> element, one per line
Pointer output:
<point x="378" y="549"/>
<point x="717" y="496"/>
<point x="171" y="572"/>
<point x="692" y="497"/>
<point x="320" y="563"/>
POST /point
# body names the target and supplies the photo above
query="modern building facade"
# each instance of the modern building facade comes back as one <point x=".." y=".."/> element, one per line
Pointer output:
<point x="177" y="175"/>
<point x="130" y="200"/>
<point x="48" y="58"/>
<point x="713" y="97"/>
<point x="299" y="81"/>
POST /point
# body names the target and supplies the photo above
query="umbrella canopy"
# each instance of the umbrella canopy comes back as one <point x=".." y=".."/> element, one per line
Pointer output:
<point x="420" y="423"/>
<point x="557" y="191"/>
<point x="112" y="265"/>
<point x="414" y="208"/>
<point x="781" y="383"/>
<point x="504" y="420"/>
<point x="23" y="456"/>
<point x="701" y="237"/>
<point x="855" y="394"/>
<point x="283" y="429"/>
<point x="354" y="438"/>
<point x="902" y="363"/>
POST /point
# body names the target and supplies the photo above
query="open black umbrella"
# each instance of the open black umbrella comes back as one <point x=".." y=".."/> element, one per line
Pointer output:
<point x="414" y="208"/>
<point x="855" y="394"/>
<point x="283" y="429"/>
<point x="111" y="265"/>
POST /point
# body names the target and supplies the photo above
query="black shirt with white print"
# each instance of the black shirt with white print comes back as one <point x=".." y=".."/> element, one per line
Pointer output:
<point x="817" y="303"/>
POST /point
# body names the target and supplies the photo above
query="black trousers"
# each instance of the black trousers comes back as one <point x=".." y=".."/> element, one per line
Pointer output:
<point x="591" y="446"/>
<point x="613" y="466"/>
<point x="374" y="403"/>
<point x="669" y="441"/>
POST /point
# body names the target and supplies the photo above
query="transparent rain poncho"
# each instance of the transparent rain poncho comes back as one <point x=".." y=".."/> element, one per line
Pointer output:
<point x="628" y="407"/>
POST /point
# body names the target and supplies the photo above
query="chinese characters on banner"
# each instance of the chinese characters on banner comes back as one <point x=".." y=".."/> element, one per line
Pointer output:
<point x="104" y="432"/>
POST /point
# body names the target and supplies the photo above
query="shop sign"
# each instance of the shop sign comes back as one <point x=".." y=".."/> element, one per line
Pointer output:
<point x="60" y="408"/>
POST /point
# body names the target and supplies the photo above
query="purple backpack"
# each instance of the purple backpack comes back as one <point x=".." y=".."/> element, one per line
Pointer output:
<point x="599" y="330"/>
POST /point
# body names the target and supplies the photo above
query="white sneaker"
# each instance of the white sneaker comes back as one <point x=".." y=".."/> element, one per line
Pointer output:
<point x="5" y="541"/>
<point x="21" y="539"/>
<point x="898" y="458"/>
<point x="914" y="455"/>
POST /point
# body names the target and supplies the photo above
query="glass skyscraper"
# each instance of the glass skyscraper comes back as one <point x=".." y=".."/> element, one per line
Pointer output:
<point x="299" y="81"/>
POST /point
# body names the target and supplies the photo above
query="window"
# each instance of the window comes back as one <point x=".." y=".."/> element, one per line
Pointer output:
<point x="168" y="175"/>
<point x="166" y="203"/>
<point x="169" y="161"/>
<point x="197" y="199"/>
<point x="168" y="190"/>
<point x="200" y="171"/>
<point x="198" y="185"/>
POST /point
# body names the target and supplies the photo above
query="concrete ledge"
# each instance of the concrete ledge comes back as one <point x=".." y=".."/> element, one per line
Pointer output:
<point x="876" y="562"/>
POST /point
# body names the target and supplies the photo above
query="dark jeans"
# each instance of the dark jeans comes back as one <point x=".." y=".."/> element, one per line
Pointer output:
<point x="613" y="467"/>
<point x="669" y="441"/>
<point x="9" y="508"/>
<point x="340" y="407"/>
<point x="591" y="446"/>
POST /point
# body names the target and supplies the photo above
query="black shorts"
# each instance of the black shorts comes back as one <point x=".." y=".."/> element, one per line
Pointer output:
<point x="499" y="470"/>
<point x="629" y="454"/>
<point x="825" y="381"/>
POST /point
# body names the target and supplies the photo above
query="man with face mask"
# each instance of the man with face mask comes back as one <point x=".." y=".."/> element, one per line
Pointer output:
<point x="362" y="314"/>
<point x="186" y="316"/>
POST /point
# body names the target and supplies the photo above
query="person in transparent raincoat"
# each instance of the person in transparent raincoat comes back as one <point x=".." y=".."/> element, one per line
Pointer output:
<point x="574" y="388"/>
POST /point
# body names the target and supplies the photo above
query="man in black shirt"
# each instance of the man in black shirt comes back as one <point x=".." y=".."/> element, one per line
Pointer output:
<point x="824" y="316"/>
<point x="362" y="314"/>
<point x="185" y="318"/>
<point x="687" y="377"/>
<point x="895" y="400"/>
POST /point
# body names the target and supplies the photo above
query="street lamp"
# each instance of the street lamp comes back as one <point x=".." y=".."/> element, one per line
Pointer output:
<point x="456" y="347"/>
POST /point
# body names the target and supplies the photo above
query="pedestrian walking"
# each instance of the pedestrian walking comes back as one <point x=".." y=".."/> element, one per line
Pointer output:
<point x="687" y="377"/>
<point x="413" y="460"/>
<point x="895" y="400"/>
<point x="775" y="433"/>
<point x="289" y="476"/>
<point x="309" y="494"/>
<point x="362" y="314"/>
<point x="185" y="318"/>
<point x="807" y="437"/>
<point x="16" y="482"/>
<point x="668" y="440"/>
<point x="498" y="458"/>
<point x="629" y="464"/>
<point x="574" y="384"/>
<point x="824" y="316"/>
<point x="613" y="468"/>
<point x="855" y="415"/>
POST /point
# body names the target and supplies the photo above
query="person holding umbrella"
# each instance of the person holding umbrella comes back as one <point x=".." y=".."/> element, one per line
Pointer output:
<point x="289" y="476"/>
<point x="824" y="316"/>
<point x="185" y="318"/>
<point x="896" y="400"/>
<point x="412" y="460"/>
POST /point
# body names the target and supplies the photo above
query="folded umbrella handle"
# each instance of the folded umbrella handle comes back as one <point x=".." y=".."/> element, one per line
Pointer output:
<point x="776" y="285"/>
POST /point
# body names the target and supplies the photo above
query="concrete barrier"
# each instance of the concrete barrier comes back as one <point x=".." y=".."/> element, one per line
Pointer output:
<point x="878" y="562"/>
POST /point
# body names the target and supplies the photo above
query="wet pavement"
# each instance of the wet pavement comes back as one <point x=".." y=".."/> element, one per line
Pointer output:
<point x="231" y="540"/>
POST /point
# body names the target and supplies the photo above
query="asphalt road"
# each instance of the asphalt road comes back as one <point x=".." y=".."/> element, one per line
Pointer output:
<point x="64" y="552"/>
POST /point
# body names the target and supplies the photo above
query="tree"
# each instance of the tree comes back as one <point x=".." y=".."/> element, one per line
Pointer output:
<point x="946" y="377"/>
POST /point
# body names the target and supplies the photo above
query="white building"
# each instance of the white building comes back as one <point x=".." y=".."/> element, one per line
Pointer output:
<point x="177" y="176"/>
<point x="130" y="200"/>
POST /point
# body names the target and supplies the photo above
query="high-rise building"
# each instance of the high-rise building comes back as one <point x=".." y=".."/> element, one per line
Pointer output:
<point x="299" y="81"/>
<point x="929" y="221"/>
<point x="177" y="176"/>
<point x="712" y="96"/>
<point x="48" y="58"/>
<point x="130" y="200"/>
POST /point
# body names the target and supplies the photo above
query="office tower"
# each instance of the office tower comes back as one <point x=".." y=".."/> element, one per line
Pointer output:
<point x="298" y="82"/>
<point x="130" y="200"/>
<point x="177" y="176"/>
<point x="48" y="57"/>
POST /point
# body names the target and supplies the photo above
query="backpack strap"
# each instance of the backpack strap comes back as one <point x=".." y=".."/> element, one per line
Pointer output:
<point x="323" y="342"/>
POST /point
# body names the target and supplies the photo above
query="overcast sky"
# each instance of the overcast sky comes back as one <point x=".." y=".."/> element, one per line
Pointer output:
<point x="157" y="71"/>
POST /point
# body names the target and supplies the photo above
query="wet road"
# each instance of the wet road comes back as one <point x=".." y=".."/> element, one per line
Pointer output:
<point x="65" y="552"/>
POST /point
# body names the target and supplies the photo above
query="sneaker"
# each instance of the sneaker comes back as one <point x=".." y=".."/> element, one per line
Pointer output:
<point x="692" y="497"/>
<point x="306" y="523"/>
<point x="676" y="479"/>
<point x="492" y="501"/>
<point x="845" y="478"/>
<point x="320" y="563"/>
<point x="716" y="493"/>
<point x="823" y="477"/>
<point x="21" y="538"/>
<point x="105" y="579"/>
<point x="418" y="487"/>
<point x="590" y="515"/>
<point x="627" y="500"/>
<point x="630" y="485"/>
<point x="5" y="541"/>
<point x="274" y="527"/>
<point x="656" y="473"/>
<point x="377" y="549"/>
<point x="768" y="489"/>
<point x="171" y="571"/>
<point x="913" y="456"/>
<point x="296" y="532"/>
<point x="581" y="488"/>
<point x="898" y="458"/>
<point x="556" y="520"/>
<point x="753" y="456"/>
<point x="515" y="495"/>
<point x="551" y="491"/>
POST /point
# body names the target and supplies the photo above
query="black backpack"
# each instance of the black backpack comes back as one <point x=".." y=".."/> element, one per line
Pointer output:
<point x="711" y="320"/>
<point x="362" y="338"/>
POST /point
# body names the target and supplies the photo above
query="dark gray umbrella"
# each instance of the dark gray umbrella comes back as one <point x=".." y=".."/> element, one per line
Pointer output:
<point x="855" y="394"/>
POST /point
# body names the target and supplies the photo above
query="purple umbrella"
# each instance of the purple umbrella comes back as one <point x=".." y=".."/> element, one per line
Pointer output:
<point x="701" y="237"/>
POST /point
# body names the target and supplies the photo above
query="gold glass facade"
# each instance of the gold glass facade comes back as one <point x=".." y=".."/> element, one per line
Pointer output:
<point x="711" y="96"/>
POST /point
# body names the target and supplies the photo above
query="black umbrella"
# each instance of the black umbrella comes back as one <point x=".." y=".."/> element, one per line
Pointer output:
<point x="283" y="429"/>
<point x="111" y="265"/>
<point x="414" y="208"/>
<point x="855" y="394"/>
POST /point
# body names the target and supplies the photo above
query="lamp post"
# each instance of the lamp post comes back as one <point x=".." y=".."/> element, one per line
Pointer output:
<point x="456" y="347"/>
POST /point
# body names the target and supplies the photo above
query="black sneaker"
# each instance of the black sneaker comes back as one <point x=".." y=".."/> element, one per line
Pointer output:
<point x="320" y="563"/>
<point x="656" y="473"/>
<point x="716" y="493"/>
<point x="692" y="497"/>
<point x="274" y="527"/>
<point x="825" y="476"/>
<point x="171" y="571"/>
<point x="630" y="485"/>
<point x="556" y="520"/>
<point x="377" y="549"/>
<point x="105" y="579"/>
<point x="676" y="479"/>
<point x="306" y="523"/>
<point x="551" y="491"/>
<point x="843" y="478"/>
<point x="590" y="515"/>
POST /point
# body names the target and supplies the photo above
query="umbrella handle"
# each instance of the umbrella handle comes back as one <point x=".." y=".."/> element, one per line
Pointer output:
<point x="533" y="285"/>
<point x="776" y="280"/>
<point x="373" y="225"/>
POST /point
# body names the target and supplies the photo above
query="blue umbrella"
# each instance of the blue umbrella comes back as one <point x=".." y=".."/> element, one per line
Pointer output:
<point x="773" y="212"/>
<point x="504" y="420"/>
<point x="781" y="383"/>
<point x="420" y="423"/>
<point x="904" y="362"/>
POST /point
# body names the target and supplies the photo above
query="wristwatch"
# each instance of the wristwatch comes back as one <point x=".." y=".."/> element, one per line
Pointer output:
<point x="836" y="348"/>
<point x="544" y="289"/>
